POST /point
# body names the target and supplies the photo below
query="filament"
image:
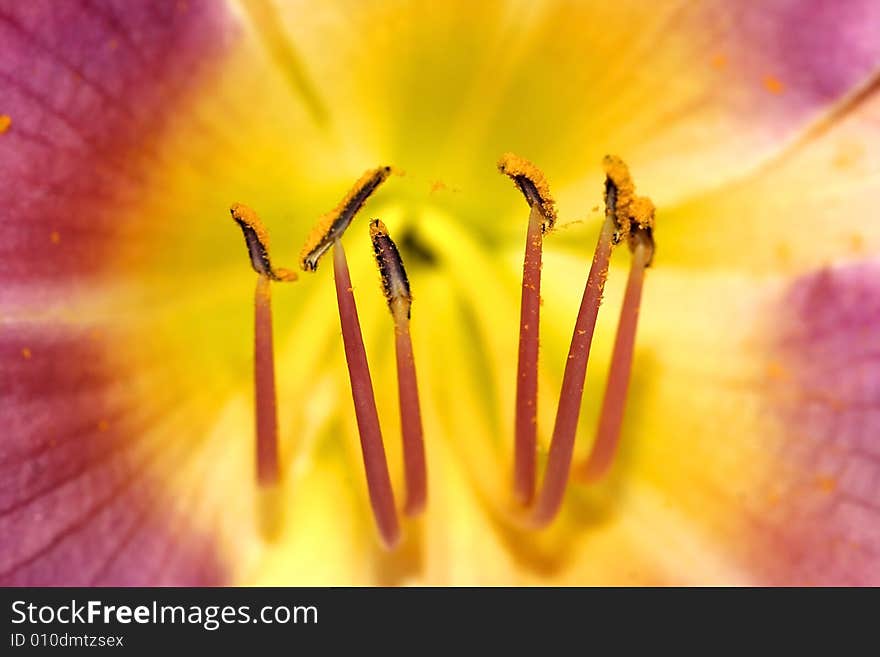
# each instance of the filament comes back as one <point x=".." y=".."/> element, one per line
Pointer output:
<point x="614" y="402"/>
<point x="372" y="446"/>
<point x="571" y="394"/>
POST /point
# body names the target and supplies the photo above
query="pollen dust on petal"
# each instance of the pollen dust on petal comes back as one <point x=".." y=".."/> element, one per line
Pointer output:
<point x="103" y="425"/>
<point x="783" y="253"/>
<point x="776" y="371"/>
<point x="848" y="155"/>
<point x="826" y="483"/>
<point x="26" y="353"/>
<point x="55" y="237"/>
<point x="857" y="243"/>
<point x="719" y="62"/>
<point x="773" y="84"/>
<point x="5" y="122"/>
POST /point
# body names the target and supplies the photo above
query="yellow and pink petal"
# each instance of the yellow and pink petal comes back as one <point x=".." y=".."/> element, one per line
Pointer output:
<point x="88" y="88"/>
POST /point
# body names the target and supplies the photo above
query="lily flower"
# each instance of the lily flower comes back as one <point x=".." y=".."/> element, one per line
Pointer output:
<point x="745" y="448"/>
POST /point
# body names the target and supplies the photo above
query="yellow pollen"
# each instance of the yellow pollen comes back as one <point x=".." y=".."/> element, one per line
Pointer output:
<point x="776" y="371"/>
<point x="848" y="155"/>
<point x="5" y="122"/>
<point x="378" y="229"/>
<point x="332" y="225"/>
<point x="826" y="484"/>
<point x="773" y="84"/>
<point x="55" y="237"/>
<point x="627" y="208"/>
<point x="719" y="62"/>
<point x="26" y="353"/>
<point x="245" y="215"/>
<point x="857" y="243"/>
<point x="531" y="182"/>
<point x="103" y="425"/>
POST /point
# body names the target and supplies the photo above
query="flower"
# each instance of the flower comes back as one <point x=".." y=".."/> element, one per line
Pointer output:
<point x="749" y="450"/>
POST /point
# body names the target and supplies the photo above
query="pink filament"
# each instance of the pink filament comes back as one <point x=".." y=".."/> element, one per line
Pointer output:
<point x="611" y="418"/>
<point x="562" y="443"/>
<point x="525" y="424"/>
<point x="372" y="447"/>
<point x="264" y="386"/>
<point x="411" y="423"/>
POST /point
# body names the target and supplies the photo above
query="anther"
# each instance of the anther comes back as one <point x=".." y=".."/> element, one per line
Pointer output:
<point x="332" y="225"/>
<point x="257" y="240"/>
<point x="395" y="285"/>
<point x="533" y="185"/>
<point x="621" y="201"/>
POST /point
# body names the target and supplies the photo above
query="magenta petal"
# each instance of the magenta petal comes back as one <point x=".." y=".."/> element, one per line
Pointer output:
<point x="817" y="49"/>
<point x="77" y="499"/>
<point x="825" y="525"/>
<point x="88" y="86"/>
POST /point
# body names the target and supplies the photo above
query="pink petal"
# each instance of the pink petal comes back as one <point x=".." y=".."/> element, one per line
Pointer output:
<point x="87" y="87"/>
<point x="822" y="521"/>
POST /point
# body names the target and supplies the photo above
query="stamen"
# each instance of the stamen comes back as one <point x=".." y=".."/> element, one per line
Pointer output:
<point x="257" y="241"/>
<point x="372" y="447"/>
<point x="611" y="418"/>
<point x="535" y="188"/>
<point x="331" y="226"/>
<point x="396" y="288"/>
<point x="622" y="210"/>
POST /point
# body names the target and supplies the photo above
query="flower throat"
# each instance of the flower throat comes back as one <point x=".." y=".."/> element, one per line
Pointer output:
<point x="628" y="218"/>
